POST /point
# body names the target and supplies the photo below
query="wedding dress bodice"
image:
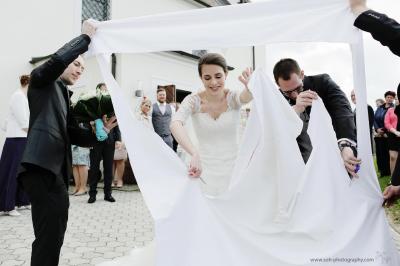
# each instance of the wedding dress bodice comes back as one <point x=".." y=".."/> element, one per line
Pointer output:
<point x="217" y="140"/>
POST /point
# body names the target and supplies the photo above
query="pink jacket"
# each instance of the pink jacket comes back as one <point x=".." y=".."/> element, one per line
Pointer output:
<point x="390" y="120"/>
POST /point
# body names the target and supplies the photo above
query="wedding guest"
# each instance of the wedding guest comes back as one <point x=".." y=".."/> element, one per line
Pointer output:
<point x="161" y="117"/>
<point x="46" y="162"/>
<point x="11" y="194"/>
<point x="370" y="115"/>
<point x="120" y="155"/>
<point x="379" y="102"/>
<point x="381" y="134"/>
<point x="393" y="128"/>
<point x="144" y="113"/>
<point x="300" y="91"/>
<point x="103" y="150"/>
<point x="392" y="192"/>
<point x="80" y="168"/>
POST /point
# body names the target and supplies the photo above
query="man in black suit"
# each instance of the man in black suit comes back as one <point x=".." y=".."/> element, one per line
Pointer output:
<point x="387" y="32"/>
<point x="382" y="28"/>
<point x="46" y="163"/>
<point x="103" y="150"/>
<point x="301" y="91"/>
<point x="370" y="115"/>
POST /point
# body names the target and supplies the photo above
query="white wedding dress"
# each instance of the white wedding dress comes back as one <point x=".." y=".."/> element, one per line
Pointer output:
<point x="264" y="207"/>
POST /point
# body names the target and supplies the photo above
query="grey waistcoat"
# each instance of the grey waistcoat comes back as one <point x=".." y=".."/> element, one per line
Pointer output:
<point x="161" y="121"/>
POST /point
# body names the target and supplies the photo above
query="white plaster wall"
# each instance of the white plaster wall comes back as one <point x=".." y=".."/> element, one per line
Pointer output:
<point x="38" y="28"/>
<point x="30" y="28"/>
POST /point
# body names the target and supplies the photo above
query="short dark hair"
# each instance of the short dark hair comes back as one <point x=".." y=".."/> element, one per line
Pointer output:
<point x="99" y="85"/>
<point x="24" y="80"/>
<point x="212" y="59"/>
<point x="390" y="93"/>
<point x="284" y="68"/>
<point x="161" y="89"/>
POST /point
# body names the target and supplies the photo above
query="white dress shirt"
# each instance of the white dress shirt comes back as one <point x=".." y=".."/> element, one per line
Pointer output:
<point x="162" y="107"/>
<point x="18" y="115"/>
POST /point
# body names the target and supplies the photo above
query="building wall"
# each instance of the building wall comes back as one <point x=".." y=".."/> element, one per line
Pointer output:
<point x="30" y="28"/>
<point x="40" y="28"/>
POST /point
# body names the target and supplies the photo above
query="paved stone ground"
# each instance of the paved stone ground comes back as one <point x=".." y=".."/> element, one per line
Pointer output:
<point x="96" y="232"/>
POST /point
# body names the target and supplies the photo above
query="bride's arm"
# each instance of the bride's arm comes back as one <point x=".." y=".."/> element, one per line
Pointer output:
<point x="185" y="110"/>
<point x="183" y="139"/>
<point x="245" y="95"/>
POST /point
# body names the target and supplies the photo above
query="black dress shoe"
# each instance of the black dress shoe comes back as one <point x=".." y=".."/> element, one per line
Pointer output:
<point x="91" y="199"/>
<point x="109" y="198"/>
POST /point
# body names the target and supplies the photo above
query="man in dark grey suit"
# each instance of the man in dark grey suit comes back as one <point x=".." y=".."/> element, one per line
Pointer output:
<point x="161" y="117"/>
<point x="46" y="162"/>
<point x="301" y="91"/>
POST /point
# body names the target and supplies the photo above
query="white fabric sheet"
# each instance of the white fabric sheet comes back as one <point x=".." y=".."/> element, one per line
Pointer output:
<point x="277" y="211"/>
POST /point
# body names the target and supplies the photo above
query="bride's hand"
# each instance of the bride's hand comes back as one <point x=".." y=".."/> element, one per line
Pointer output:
<point x="245" y="77"/>
<point x="195" y="166"/>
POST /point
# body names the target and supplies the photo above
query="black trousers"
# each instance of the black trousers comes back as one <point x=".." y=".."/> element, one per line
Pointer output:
<point x="103" y="150"/>
<point x="50" y="203"/>
<point x="382" y="155"/>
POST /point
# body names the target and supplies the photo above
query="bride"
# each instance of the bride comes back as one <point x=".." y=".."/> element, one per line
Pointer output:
<point x="215" y="113"/>
<point x="271" y="209"/>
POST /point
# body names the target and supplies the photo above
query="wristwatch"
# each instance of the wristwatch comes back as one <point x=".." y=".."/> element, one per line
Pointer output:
<point x="342" y="144"/>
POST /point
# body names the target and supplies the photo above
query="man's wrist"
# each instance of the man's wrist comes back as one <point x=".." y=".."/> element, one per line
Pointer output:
<point x="349" y="144"/>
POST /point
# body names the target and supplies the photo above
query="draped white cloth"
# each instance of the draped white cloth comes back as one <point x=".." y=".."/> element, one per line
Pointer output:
<point x="277" y="211"/>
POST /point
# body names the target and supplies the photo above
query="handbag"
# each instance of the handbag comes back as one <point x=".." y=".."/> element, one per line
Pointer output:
<point x="120" y="154"/>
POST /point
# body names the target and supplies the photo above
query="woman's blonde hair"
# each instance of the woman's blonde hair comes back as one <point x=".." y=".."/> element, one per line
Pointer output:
<point x="144" y="102"/>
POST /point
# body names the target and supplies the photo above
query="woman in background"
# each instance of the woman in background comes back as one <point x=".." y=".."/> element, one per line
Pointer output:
<point x="11" y="194"/>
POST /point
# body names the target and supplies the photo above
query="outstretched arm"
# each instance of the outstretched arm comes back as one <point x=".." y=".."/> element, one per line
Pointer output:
<point x="59" y="61"/>
<point x="382" y="28"/>
<point x="245" y="95"/>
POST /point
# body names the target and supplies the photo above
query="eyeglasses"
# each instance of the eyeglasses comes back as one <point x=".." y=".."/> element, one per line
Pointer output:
<point x="298" y="89"/>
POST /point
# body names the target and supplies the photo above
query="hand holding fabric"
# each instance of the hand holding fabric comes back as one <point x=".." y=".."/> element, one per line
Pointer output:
<point x="358" y="6"/>
<point x="304" y="99"/>
<point x="195" y="166"/>
<point x="391" y="195"/>
<point x="89" y="27"/>
<point x="350" y="161"/>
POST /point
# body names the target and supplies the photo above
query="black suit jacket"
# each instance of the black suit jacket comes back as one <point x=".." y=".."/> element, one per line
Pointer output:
<point x="382" y="28"/>
<point x="337" y="106"/>
<point x="49" y="141"/>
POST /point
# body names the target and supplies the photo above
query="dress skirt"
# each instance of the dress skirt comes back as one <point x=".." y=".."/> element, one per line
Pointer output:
<point x="11" y="193"/>
<point x="393" y="142"/>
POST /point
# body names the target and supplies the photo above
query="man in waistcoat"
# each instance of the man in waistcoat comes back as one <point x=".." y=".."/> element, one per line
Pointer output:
<point x="161" y="117"/>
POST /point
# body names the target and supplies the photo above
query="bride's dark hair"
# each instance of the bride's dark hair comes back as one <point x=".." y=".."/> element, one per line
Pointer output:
<point x="212" y="59"/>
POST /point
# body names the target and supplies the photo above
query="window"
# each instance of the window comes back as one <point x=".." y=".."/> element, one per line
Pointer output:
<point x="96" y="9"/>
<point x="199" y="53"/>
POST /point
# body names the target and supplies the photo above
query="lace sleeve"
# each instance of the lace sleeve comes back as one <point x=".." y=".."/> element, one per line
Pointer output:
<point x="233" y="99"/>
<point x="189" y="106"/>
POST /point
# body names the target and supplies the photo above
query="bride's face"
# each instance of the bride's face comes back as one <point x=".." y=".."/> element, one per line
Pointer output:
<point x="213" y="78"/>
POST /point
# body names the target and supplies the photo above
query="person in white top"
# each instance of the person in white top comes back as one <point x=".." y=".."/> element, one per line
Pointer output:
<point x="11" y="194"/>
<point x="143" y="114"/>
